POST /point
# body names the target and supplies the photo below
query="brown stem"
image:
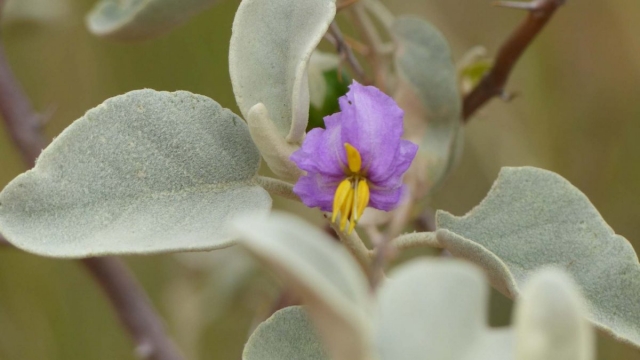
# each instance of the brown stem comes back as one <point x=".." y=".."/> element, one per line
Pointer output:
<point x="345" y="51"/>
<point x="540" y="11"/>
<point x="133" y="308"/>
<point x="3" y="241"/>
<point x="127" y="297"/>
<point x="22" y="122"/>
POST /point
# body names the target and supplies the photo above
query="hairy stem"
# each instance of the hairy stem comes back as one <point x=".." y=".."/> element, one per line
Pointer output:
<point x="414" y="240"/>
<point x="540" y="12"/>
<point x="127" y="297"/>
<point x="354" y="244"/>
<point x="277" y="187"/>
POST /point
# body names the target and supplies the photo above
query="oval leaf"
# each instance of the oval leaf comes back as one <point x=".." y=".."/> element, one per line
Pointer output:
<point x="141" y="19"/>
<point x="287" y="334"/>
<point x="322" y="272"/>
<point x="438" y="308"/>
<point x="533" y="218"/>
<point x="270" y="46"/>
<point x="427" y="91"/>
<point x="144" y="172"/>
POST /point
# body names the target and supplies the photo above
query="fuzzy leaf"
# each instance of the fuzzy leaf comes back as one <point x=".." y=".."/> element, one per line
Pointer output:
<point x="427" y="91"/>
<point x="271" y="44"/>
<point x="287" y="334"/>
<point x="533" y="218"/>
<point x="322" y="272"/>
<point x="144" y="172"/>
<point x="438" y="308"/>
<point x="141" y="19"/>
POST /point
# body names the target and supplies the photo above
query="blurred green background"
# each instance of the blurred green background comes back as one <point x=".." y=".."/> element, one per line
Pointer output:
<point x="577" y="114"/>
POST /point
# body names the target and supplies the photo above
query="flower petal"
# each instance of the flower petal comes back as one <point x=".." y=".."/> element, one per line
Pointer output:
<point x="392" y="178"/>
<point x="317" y="190"/>
<point x="386" y="199"/>
<point x="372" y="123"/>
<point x="322" y="151"/>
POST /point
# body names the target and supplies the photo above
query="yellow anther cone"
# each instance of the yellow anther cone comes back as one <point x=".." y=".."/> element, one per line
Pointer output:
<point x="354" y="160"/>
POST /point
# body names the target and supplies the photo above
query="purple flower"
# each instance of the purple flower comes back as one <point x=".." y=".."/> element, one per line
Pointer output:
<point x="359" y="160"/>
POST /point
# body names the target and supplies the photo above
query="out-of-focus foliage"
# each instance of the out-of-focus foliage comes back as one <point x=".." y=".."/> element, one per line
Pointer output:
<point x="435" y="307"/>
<point x="141" y="19"/>
<point x="577" y="115"/>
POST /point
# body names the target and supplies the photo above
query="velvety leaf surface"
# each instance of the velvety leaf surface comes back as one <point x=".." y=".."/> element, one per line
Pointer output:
<point x="427" y="91"/>
<point x="144" y="172"/>
<point x="550" y="320"/>
<point x="141" y="19"/>
<point x="270" y="46"/>
<point x="438" y="308"/>
<point x="533" y="218"/>
<point x="322" y="271"/>
<point x="287" y="334"/>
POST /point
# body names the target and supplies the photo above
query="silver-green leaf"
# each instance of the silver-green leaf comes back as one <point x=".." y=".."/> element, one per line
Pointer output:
<point x="427" y="91"/>
<point x="141" y="19"/>
<point x="144" y="172"/>
<point x="533" y="218"/>
<point x="288" y="334"/>
<point x="270" y="47"/>
<point x="438" y="309"/>
<point x="322" y="272"/>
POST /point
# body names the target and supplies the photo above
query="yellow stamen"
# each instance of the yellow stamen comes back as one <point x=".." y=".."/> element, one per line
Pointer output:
<point x="344" y="191"/>
<point x="345" y="210"/>
<point x="353" y="158"/>
<point x="362" y="194"/>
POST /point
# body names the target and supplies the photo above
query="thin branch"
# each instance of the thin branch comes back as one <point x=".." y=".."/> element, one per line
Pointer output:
<point x="371" y="37"/>
<point x="22" y="122"/>
<point x="127" y="297"/>
<point x="492" y="85"/>
<point x="345" y="52"/>
<point x="133" y="307"/>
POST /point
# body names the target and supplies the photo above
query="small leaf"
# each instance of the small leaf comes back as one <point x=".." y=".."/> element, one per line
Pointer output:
<point x="275" y="150"/>
<point x="144" y="172"/>
<point x="550" y="320"/>
<point x="141" y="19"/>
<point x="277" y="78"/>
<point x="322" y="272"/>
<point x="288" y="334"/>
<point x="438" y="308"/>
<point x="533" y="218"/>
<point x="427" y="91"/>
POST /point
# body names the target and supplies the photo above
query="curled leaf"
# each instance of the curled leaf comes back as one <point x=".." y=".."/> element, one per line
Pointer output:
<point x="277" y="78"/>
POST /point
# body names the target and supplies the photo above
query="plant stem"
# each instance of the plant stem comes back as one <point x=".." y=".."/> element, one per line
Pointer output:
<point x="345" y="52"/>
<point x="22" y="122"/>
<point x="372" y="39"/>
<point x="414" y="240"/>
<point x="277" y="187"/>
<point x="127" y="297"/>
<point x="133" y="308"/>
<point x="540" y="12"/>
<point x="354" y="244"/>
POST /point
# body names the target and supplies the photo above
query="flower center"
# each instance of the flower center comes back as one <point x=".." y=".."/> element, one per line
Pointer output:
<point x="352" y="194"/>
